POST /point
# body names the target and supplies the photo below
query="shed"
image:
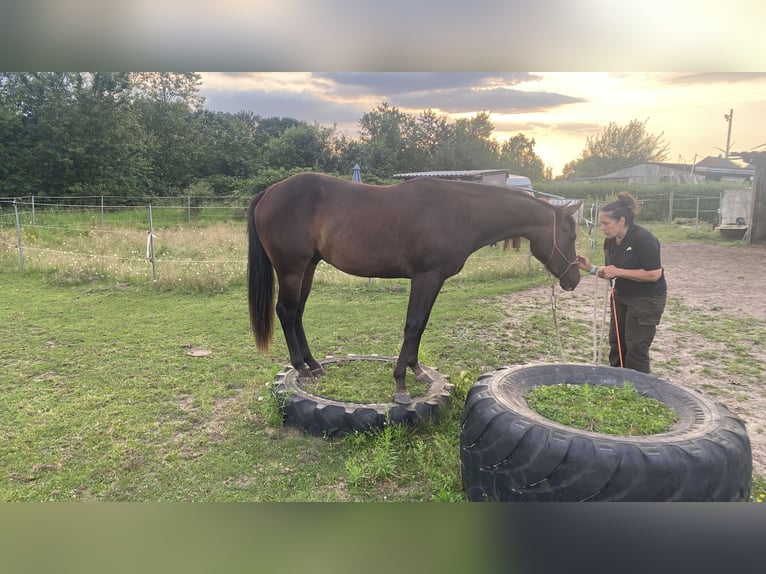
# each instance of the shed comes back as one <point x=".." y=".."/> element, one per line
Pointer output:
<point x="724" y="169"/>
<point x="736" y="206"/>
<point x="757" y="230"/>
<point x="492" y="176"/>
<point x="650" y="173"/>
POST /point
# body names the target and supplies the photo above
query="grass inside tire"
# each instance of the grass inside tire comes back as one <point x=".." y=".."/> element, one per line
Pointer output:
<point x="509" y="452"/>
<point x="327" y="417"/>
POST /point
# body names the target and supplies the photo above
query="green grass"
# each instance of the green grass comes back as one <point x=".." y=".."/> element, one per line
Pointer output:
<point x="758" y="492"/>
<point x="362" y="381"/>
<point x="101" y="400"/>
<point x="737" y="340"/>
<point x="602" y="409"/>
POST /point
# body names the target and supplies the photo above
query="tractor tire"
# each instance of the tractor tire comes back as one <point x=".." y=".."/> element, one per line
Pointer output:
<point x="320" y="416"/>
<point x="509" y="452"/>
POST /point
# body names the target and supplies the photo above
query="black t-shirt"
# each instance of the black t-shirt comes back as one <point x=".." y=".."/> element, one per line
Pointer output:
<point x="639" y="249"/>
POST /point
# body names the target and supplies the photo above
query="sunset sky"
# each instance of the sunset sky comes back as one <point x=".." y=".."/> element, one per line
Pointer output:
<point x="363" y="42"/>
<point x="559" y="110"/>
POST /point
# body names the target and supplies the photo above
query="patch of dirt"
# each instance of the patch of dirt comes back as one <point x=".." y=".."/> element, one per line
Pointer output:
<point x="722" y="282"/>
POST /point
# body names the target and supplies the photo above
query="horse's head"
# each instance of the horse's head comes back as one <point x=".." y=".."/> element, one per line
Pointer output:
<point x="556" y="247"/>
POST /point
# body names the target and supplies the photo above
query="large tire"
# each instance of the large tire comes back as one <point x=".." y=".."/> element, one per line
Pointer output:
<point x="320" y="416"/>
<point x="509" y="452"/>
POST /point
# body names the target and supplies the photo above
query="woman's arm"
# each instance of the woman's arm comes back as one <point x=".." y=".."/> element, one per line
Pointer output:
<point x="639" y="275"/>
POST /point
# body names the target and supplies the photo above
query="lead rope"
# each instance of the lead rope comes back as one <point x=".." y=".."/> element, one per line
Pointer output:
<point x="595" y="331"/>
<point x="556" y="320"/>
<point x="616" y="325"/>
<point x="554" y="249"/>
<point x="599" y="327"/>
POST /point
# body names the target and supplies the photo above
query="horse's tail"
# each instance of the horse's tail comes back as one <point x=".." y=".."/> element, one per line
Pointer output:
<point x="260" y="284"/>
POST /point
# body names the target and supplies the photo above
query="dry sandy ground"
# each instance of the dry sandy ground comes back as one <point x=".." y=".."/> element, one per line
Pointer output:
<point x="723" y="282"/>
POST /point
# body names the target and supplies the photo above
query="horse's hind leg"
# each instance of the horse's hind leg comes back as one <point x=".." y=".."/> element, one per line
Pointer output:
<point x="288" y="303"/>
<point x="308" y="278"/>
<point x="423" y="292"/>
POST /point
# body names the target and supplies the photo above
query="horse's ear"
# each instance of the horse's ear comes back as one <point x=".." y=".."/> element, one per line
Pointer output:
<point x="572" y="208"/>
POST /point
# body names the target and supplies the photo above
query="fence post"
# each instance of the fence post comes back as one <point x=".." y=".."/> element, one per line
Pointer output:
<point x="697" y="216"/>
<point x="188" y="208"/>
<point x="670" y="209"/>
<point x="150" y="246"/>
<point x="18" y="234"/>
<point x="33" y="210"/>
<point x="102" y="211"/>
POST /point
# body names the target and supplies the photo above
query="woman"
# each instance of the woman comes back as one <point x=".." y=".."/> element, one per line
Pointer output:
<point x="632" y="256"/>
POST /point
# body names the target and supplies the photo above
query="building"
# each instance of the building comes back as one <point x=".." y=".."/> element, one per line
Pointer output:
<point x="652" y="173"/>
<point x="724" y="169"/>
<point x="493" y="176"/>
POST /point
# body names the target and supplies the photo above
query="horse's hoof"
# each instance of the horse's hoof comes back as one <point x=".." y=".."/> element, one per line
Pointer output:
<point x="319" y="371"/>
<point x="402" y="398"/>
<point x="421" y="375"/>
<point x="305" y="376"/>
<point x="424" y="377"/>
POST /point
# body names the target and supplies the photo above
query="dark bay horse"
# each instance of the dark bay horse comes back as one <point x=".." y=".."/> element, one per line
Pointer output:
<point x="423" y="229"/>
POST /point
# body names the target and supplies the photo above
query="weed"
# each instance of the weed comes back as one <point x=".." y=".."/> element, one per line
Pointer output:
<point x="377" y="454"/>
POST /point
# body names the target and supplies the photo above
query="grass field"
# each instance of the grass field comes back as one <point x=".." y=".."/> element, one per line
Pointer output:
<point x="104" y="399"/>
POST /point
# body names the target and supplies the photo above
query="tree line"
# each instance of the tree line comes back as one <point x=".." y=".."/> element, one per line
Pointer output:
<point x="149" y="134"/>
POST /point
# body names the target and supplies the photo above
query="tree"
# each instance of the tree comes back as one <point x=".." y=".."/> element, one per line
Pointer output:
<point x="299" y="146"/>
<point x="384" y="135"/>
<point x="229" y="144"/>
<point x="112" y="147"/>
<point x="616" y="148"/>
<point x="340" y="153"/>
<point x="469" y="145"/>
<point x="518" y="155"/>
<point x="69" y="132"/>
<point x="169" y="107"/>
<point x="273" y="127"/>
<point x="12" y="136"/>
<point x="174" y="138"/>
<point x="169" y="87"/>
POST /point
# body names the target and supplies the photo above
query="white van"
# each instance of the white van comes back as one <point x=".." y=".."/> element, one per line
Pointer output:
<point x="519" y="181"/>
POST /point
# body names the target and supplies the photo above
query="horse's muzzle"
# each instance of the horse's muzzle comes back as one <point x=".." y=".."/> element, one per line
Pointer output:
<point x="568" y="284"/>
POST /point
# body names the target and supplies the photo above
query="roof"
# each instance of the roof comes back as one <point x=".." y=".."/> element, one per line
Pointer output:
<point x="625" y="171"/>
<point x="720" y="163"/>
<point x="753" y="158"/>
<point x="451" y="174"/>
<point x="723" y="166"/>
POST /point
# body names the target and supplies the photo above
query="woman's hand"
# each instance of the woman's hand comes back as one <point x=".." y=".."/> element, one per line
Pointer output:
<point x="584" y="263"/>
<point x="608" y="272"/>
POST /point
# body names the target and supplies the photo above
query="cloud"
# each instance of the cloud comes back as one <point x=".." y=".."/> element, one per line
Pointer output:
<point x="391" y="83"/>
<point x="498" y="100"/>
<point x="707" y="78"/>
<point x="304" y="106"/>
<point x="343" y="98"/>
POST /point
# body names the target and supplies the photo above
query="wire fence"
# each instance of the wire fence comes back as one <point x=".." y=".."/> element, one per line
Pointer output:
<point x="192" y="240"/>
<point x="188" y="239"/>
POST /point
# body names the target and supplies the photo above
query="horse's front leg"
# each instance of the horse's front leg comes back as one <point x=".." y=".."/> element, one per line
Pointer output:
<point x="423" y="291"/>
